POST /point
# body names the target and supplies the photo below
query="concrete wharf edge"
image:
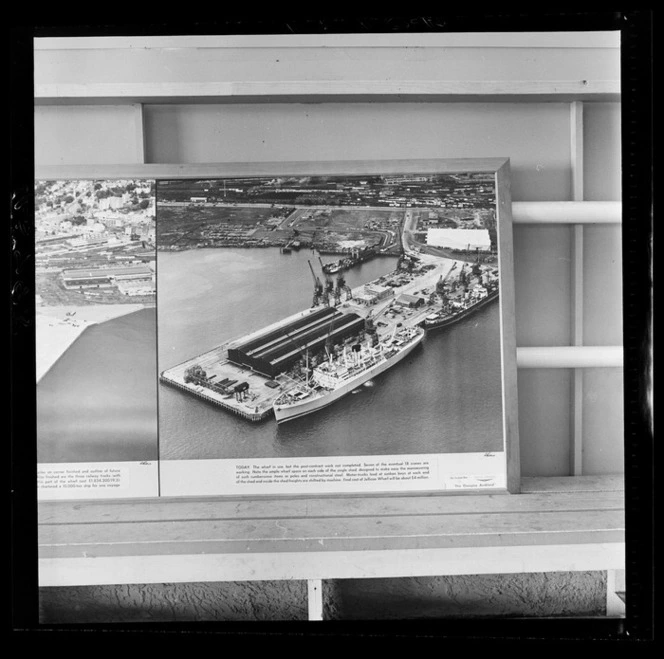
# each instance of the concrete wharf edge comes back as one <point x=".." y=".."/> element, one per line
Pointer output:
<point x="255" y="417"/>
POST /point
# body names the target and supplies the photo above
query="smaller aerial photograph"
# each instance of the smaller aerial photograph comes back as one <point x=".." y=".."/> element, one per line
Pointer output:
<point x="95" y="321"/>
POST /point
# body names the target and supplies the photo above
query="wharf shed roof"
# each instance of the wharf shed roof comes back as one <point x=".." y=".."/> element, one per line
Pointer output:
<point x="263" y="339"/>
<point x="295" y="335"/>
<point x="376" y="288"/>
<point x="353" y="324"/>
<point x="404" y="298"/>
<point x="92" y="273"/>
<point x="459" y="238"/>
<point x="278" y="356"/>
<point x="313" y="337"/>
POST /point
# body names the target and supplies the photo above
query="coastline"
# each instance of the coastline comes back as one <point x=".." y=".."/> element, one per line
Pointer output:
<point x="55" y="330"/>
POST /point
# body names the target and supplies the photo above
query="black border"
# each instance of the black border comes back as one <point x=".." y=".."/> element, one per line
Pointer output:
<point x="637" y="233"/>
<point x="21" y="301"/>
<point x="636" y="28"/>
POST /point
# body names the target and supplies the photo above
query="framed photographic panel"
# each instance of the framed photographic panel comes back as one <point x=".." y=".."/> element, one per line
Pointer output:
<point x="277" y="329"/>
<point x="337" y="328"/>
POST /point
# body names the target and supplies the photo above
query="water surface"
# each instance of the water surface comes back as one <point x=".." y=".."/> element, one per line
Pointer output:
<point x="98" y="402"/>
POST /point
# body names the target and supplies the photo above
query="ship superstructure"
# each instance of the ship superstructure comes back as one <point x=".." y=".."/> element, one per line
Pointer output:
<point x="343" y="373"/>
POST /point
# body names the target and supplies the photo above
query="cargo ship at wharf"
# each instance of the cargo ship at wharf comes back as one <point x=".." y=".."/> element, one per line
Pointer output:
<point x="355" y="257"/>
<point x="441" y="319"/>
<point x="244" y="376"/>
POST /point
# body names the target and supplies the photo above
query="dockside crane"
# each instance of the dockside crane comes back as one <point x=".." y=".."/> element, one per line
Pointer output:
<point x="329" y="283"/>
<point x="440" y="290"/>
<point x="342" y="286"/>
<point x="318" y="287"/>
<point x="477" y="270"/>
<point x="405" y="261"/>
<point x="337" y="295"/>
<point x="463" y="277"/>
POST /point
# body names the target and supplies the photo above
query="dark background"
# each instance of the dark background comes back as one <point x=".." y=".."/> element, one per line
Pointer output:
<point x="637" y="54"/>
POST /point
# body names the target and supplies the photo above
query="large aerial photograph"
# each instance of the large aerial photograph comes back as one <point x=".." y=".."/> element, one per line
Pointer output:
<point x="318" y="316"/>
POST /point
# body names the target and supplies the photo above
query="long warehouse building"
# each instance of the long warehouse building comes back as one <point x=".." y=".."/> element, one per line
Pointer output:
<point x="103" y="277"/>
<point x="276" y="351"/>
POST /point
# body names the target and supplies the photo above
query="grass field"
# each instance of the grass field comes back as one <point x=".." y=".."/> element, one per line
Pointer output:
<point x="176" y="224"/>
<point x="342" y="220"/>
<point x="184" y="227"/>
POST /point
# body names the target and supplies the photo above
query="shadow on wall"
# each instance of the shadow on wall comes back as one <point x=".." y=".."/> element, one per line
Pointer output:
<point x="577" y="594"/>
<point x="565" y="594"/>
<point x="189" y="602"/>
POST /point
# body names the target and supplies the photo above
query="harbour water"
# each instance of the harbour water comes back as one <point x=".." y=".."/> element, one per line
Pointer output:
<point x="98" y="402"/>
<point x="444" y="398"/>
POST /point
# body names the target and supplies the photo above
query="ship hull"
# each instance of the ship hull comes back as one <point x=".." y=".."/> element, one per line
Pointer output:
<point x="450" y="320"/>
<point x="286" y="412"/>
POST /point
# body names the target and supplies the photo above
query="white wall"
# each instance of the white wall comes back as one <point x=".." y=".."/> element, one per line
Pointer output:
<point x="85" y="134"/>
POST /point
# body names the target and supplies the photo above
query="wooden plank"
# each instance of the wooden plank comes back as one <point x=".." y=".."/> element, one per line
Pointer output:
<point x="565" y="523"/>
<point x="430" y="526"/>
<point x="330" y="565"/>
<point x="576" y="394"/>
<point x="214" y="508"/>
<point x="273" y="545"/>
<point x="598" y="97"/>
<point x="286" y="168"/>
<point x="351" y="534"/>
<point x="594" y="39"/>
<point x="570" y="357"/>
<point x="574" y="484"/>
<point x="139" y="132"/>
<point x="192" y="92"/>
<point x="508" y="327"/>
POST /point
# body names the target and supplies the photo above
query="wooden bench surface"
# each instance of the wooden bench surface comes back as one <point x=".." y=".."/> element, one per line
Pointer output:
<point x="570" y="523"/>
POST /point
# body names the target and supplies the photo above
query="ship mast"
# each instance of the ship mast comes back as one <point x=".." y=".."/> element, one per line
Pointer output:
<point x="318" y="287"/>
<point x="328" y="342"/>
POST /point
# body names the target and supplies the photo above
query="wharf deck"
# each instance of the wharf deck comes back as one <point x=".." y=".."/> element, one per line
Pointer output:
<point x="255" y="405"/>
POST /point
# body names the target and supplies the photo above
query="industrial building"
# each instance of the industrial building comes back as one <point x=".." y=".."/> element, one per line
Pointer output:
<point x="410" y="301"/>
<point x="102" y="277"/>
<point x="365" y="298"/>
<point x="460" y="239"/>
<point x="380" y="292"/>
<point x="277" y="350"/>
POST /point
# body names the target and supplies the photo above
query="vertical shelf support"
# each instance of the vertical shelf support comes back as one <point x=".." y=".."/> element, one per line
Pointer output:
<point x="139" y="132"/>
<point x="615" y="593"/>
<point x="315" y="599"/>
<point x="576" y="155"/>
